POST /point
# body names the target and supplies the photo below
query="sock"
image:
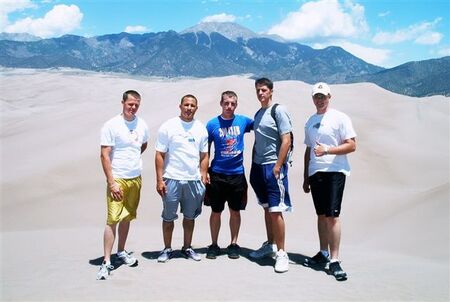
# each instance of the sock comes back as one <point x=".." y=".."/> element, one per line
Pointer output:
<point x="334" y="260"/>
<point x="325" y="253"/>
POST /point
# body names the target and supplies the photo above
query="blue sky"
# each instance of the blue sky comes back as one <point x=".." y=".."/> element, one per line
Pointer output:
<point x="382" y="32"/>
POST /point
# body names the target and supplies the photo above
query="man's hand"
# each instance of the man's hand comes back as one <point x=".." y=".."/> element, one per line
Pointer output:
<point x="320" y="149"/>
<point x="161" y="188"/>
<point x="116" y="191"/>
<point x="276" y="171"/>
<point x="306" y="187"/>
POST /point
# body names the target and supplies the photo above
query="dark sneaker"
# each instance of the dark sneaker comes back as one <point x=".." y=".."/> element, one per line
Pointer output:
<point x="189" y="253"/>
<point x="233" y="251"/>
<point x="213" y="251"/>
<point x="267" y="249"/>
<point x="318" y="260"/>
<point x="337" y="271"/>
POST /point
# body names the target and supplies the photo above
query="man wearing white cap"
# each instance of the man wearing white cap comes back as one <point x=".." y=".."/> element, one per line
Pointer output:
<point x="329" y="137"/>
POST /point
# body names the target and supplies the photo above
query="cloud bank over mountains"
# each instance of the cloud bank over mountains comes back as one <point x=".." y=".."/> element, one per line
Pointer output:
<point x="318" y="24"/>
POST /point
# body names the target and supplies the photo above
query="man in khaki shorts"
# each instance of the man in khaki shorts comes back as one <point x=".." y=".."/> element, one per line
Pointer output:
<point x="123" y="140"/>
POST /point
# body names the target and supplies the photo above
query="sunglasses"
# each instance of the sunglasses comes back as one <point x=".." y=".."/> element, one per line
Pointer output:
<point x="319" y="96"/>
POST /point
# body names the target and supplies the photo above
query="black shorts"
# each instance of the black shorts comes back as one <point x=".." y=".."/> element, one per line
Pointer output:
<point x="226" y="188"/>
<point x="327" y="189"/>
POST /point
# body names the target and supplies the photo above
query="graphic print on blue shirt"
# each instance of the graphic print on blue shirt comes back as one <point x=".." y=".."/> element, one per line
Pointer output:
<point x="228" y="139"/>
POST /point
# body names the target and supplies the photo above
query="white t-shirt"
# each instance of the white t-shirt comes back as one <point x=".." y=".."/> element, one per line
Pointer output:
<point x="126" y="139"/>
<point x="182" y="143"/>
<point x="330" y="129"/>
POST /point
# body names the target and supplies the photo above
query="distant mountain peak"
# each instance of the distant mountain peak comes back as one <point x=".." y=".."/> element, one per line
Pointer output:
<point x="230" y="30"/>
<point x="22" y="37"/>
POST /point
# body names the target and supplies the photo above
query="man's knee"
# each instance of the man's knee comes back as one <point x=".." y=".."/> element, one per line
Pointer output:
<point x="331" y="221"/>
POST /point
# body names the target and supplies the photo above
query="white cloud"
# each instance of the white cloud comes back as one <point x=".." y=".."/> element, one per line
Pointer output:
<point x="429" y="38"/>
<point x="219" y="18"/>
<point x="9" y="6"/>
<point x="323" y="18"/>
<point x="60" y="20"/>
<point x="135" y="29"/>
<point x="421" y="33"/>
<point x="443" y="52"/>
<point x="383" y="14"/>
<point x="376" y="56"/>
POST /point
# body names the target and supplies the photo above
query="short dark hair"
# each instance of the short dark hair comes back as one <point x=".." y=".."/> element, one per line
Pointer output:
<point x="264" y="82"/>
<point x="228" y="93"/>
<point x="188" y="96"/>
<point x="131" y="92"/>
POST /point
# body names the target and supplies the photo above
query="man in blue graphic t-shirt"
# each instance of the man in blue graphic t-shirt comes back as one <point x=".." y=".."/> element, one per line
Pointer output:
<point x="227" y="178"/>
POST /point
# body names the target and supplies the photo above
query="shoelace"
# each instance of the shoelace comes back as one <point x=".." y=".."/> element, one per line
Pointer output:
<point x="125" y="253"/>
<point x="108" y="266"/>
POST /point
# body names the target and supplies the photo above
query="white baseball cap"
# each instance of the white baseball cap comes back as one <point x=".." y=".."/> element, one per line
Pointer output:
<point x="322" y="88"/>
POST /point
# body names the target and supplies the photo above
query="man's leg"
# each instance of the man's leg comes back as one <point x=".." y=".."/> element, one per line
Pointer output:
<point x="269" y="229"/>
<point x="323" y="229"/>
<point x="278" y="229"/>
<point x="109" y="236"/>
<point x="334" y="236"/>
<point x="235" y="224"/>
<point x="214" y="225"/>
<point x="188" y="227"/>
<point x="167" y="228"/>
<point x="124" y="227"/>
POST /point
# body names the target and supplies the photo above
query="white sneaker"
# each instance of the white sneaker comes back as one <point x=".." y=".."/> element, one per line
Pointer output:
<point x="127" y="258"/>
<point x="267" y="249"/>
<point x="165" y="255"/>
<point x="104" y="271"/>
<point x="281" y="262"/>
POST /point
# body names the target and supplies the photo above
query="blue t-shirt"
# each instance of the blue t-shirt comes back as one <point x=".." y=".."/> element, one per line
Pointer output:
<point x="228" y="138"/>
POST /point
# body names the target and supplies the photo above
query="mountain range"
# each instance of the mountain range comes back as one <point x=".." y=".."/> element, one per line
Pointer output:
<point x="219" y="49"/>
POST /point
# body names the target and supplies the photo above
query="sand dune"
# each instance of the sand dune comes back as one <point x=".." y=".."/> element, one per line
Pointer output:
<point x="395" y="243"/>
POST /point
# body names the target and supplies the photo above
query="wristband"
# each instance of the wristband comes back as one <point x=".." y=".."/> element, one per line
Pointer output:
<point x="326" y="150"/>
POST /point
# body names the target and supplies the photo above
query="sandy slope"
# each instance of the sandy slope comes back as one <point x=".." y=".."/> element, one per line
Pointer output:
<point x="395" y="243"/>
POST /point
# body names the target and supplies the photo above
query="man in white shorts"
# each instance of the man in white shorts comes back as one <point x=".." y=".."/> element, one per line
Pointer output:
<point x="181" y="163"/>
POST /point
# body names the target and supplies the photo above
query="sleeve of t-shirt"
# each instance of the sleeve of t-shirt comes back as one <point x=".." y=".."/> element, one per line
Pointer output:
<point x="307" y="140"/>
<point x="162" y="140"/>
<point x="146" y="135"/>
<point x="284" y="120"/>
<point x="347" y="130"/>
<point x="106" y="136"/>
<point x="249" y="123"/>
<point x="210" y="129"/>
<point x="204" y="141"/>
